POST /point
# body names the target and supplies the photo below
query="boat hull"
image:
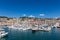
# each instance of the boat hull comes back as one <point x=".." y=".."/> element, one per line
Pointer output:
<point x="3" y="34"/>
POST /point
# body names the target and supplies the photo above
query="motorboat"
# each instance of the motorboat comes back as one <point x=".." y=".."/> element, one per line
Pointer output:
<point x="44" y="28"/>
<point x="3" y="33"/>
<point x="47" y="29"/>
<point x="57" y="25"/>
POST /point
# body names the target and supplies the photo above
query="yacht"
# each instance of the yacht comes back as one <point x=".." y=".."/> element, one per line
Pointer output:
<point x="57" y="25"/>
<point x="45" y="28"/>
<point x="3" y="33"/>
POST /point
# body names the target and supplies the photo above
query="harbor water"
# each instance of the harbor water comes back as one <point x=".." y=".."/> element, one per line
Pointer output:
<point x="54" y="34"/>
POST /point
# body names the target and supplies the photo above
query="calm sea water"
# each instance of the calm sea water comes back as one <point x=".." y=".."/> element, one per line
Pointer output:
<point x="31" y="35"/>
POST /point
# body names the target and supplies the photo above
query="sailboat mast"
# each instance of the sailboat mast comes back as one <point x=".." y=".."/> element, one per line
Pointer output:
<point x="17" y="20"/>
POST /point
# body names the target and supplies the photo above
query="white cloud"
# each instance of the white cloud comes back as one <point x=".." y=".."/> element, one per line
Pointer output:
<point x="42" y="14"/>
<point x="24" y="14"/>
<point x="56" y="17"/>
<point x="31" y="16"/>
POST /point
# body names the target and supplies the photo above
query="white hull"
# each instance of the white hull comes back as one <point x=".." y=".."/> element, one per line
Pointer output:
<point x="47" y="29"/>
<point x="3" y="34"/>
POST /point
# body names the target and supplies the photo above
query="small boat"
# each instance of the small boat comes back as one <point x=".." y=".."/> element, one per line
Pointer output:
<point x="57" y="25"/>
<point x="41" y="29"/>
<point x="24" y="29"/>
<point x="3" y="33"/>
<point x="33" y="28"/>
<point x="53" y="26"/>
<point x="47" y="29"/>
<point x="44" y="28"/>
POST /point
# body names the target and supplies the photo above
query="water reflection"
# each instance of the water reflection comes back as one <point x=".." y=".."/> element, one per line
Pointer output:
<point x="33" y="31"/>
<point x="32" y="35"/>
<point x="2" y="39"/>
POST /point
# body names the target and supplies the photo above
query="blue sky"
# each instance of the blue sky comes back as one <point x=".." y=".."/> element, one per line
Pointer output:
<point x="37" y="8"/>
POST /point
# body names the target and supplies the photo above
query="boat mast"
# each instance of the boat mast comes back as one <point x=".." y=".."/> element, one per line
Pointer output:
<point x="17" y="20"/>
<point x="12" y="23"/>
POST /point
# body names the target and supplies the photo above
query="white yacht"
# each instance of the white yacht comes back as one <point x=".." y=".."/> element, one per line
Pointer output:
<point x="45" y="28"/>
<point x="3" y="33"/>
<point x="57" y="25"/>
